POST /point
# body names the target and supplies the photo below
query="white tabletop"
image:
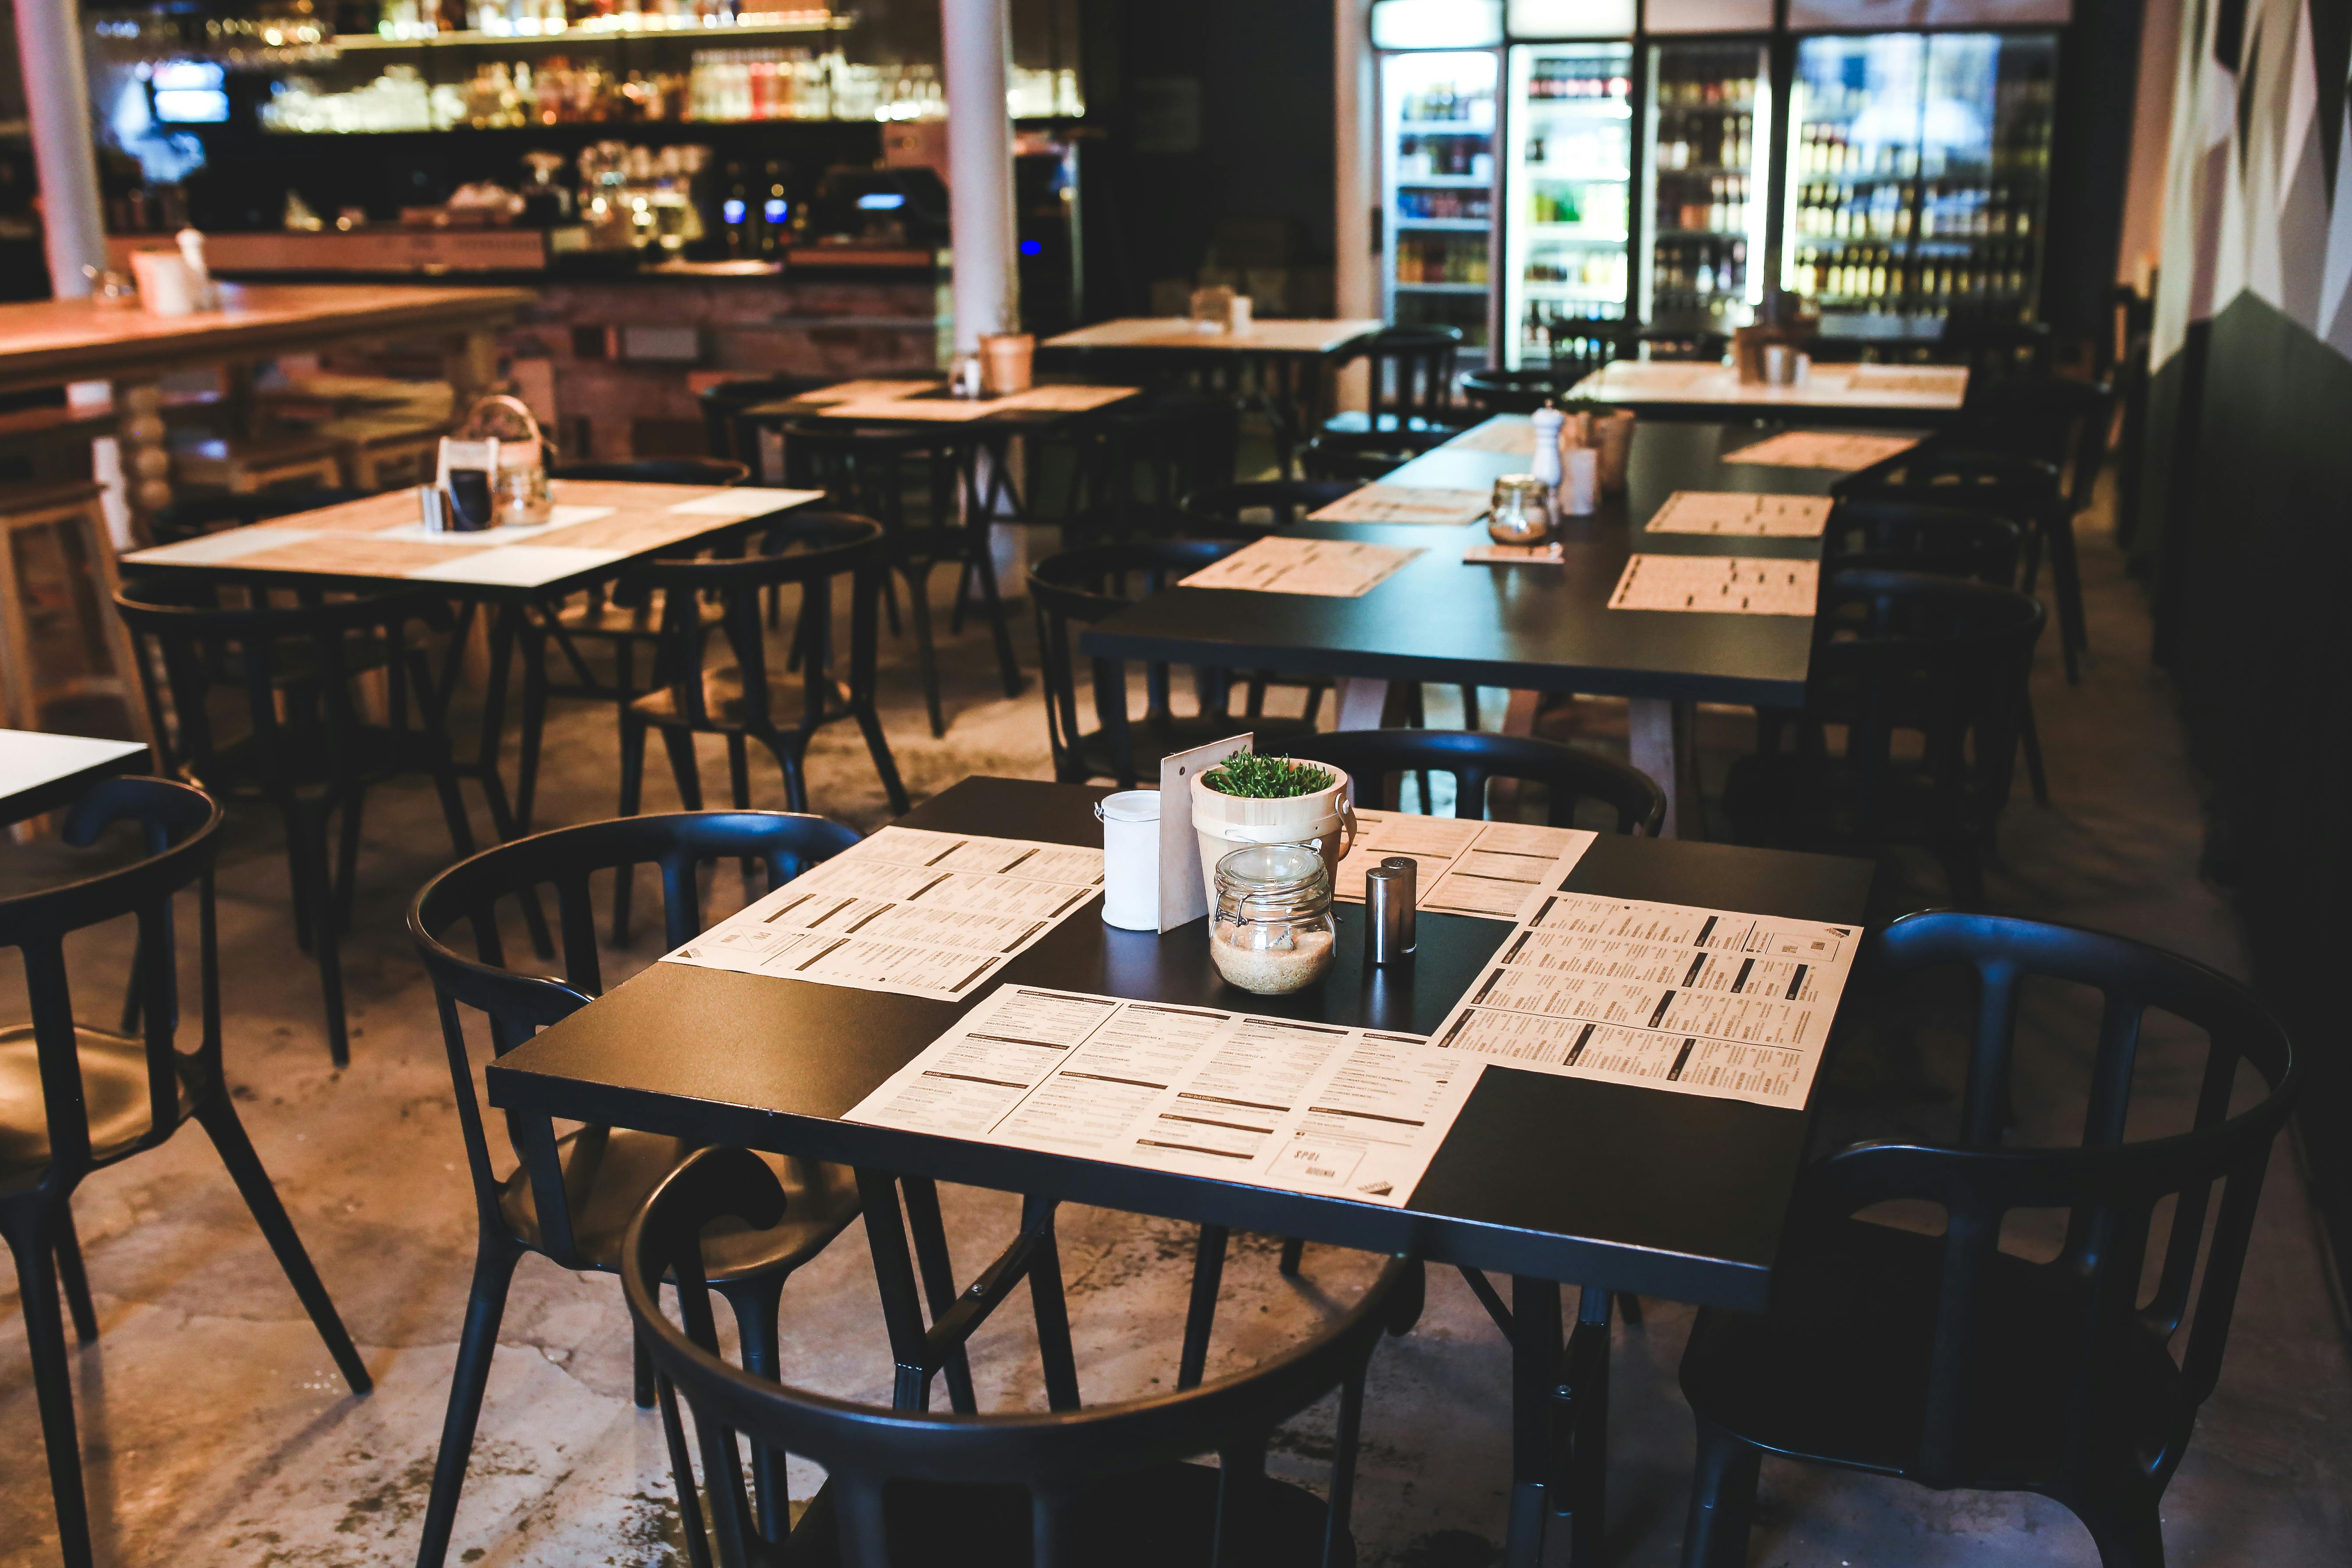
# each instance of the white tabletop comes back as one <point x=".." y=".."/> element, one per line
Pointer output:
<point x="1939" y="388"/>
<point x="1278" y="336"/>
<point x="29" y="760"/>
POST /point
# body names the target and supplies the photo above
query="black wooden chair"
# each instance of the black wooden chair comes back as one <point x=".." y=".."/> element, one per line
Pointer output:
<point x="1257" y="507"/>
<point x="1144" y="455"/>
<point x="1492" y="390"/>
<point x="1065" y="1486"/>
<point x="727" y="421"/>
<point x="1942" y="541"/>
<point x="1377" y="761"/>
<point x="303" y="744"/>
<point x="78" y="1099"/>
<point x="569" y="1199"/>
<point x="656" y="470"/>
<point x="1079" y="588"/>
<point x="1946" y="1359"/>
<point x="1410" y="405"/>
<point x="1921" y="679"/>
<point x="925" y="489"/>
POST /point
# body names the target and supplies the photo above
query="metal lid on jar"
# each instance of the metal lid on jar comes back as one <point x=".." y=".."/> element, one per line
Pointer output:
<point x="1269" y="879"/>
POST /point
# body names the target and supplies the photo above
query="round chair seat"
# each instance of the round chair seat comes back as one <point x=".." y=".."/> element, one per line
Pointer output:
<point x="621" y="1169"/>
<point x="114" y="1093"/>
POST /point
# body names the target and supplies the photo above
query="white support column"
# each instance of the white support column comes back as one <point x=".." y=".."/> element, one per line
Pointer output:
<point x="1357" y="141"/>
<point x="56" y="105"/>
<point x="975" y="40"/>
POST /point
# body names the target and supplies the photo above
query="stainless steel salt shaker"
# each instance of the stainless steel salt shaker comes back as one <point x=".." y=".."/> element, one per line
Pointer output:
<point x="433" y="508"/>
<point x="1388" y="899"/>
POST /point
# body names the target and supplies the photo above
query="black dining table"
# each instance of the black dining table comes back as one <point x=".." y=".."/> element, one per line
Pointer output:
<point x="1551" y="1180"/>
<point x="1530" y="628"/>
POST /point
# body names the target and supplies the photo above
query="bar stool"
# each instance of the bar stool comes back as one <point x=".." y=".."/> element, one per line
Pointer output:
<point x="69" y="512"/>
<point x="242" y="466"/>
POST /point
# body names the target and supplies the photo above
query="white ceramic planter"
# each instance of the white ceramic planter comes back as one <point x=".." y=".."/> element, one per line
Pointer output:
<point x="1227" y="822"/>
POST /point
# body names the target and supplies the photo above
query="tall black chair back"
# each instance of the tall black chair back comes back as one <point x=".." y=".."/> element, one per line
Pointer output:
<point x="657" y="470"/>
<point x="74" y="1098"/>
<point x="1259" y="506"/>
<point x="1924" y="678"/>
<point x="1377" y="761"/>
<point x="1952" y="1360"/>
<point x="1070" y="1485"/>
<point x="1996" y="352"/>
<point x="804" y="550"/>
<point x="301" y="743"/>
<point x="725" y="405"/>
<point x="569" y="1199"/>
<point x="1410" y="383"/>
<point x="1492" y="390"/>
<point x="1911" y="536"/>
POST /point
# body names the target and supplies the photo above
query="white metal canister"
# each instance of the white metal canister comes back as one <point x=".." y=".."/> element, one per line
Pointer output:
<point x="1131" y="822"/>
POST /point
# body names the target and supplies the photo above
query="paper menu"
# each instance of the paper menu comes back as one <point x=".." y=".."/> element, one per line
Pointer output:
<point x="906" y="910"/>
<point x="1066" y="397"/>
<point x="1691" y="1001"/>
<point x="853" y="391"/>
<point x="1275" y="1102"/>
<point x="1462" y="867"/>
<point x="1512" y="439"/>
<point x="1405" y="503"/>
<point x="1550" y="554"/>
<point x="1823" y="450"/>
<point x="1733" y="512"/>
<point x="952" y="410"/>
<point x="1732" y="585"/>
<point x="1328" y="568"/>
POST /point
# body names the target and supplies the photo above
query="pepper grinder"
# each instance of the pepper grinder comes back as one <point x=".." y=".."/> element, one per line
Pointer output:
<point x="1389" y="901"/>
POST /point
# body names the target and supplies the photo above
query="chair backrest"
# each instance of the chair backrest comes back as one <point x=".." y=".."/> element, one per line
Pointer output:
<point x="808" y="547"/>
<point x="1996" y="352"/>
<point x="1411" y="374"/>
<point x="873" y="471"/>
<point x="2109" y="1188"/>
<point x="295" y="665"/>
<point x="1376" y="760"/>
<point x="1582" y="344"/>
<point x="723" y="404"/>
<point x="1079" y="588"/>
<point x="518" y="1005"/>
<point x="1685" y="347"/>
<point x="1494" y="391"/>
<point x="180" y="829"/>
<point x="1909" y="654"/>
<point x="189" y="517"/>
<point x="2057" y="420"/>
<point x="1910" y="536"/>
<point x="2025" y="490"/>
<point x="1055" y="1455"/>
<point x="658" y="471"/>
<point x="1261" y="506"/>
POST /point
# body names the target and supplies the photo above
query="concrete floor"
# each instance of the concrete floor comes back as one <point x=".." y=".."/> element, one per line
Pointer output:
<point x="215" y="1432"/>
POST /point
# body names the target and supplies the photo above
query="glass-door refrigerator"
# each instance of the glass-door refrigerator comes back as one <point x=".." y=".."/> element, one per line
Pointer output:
<point x="1437" y="115"/>
<point x="1704" y="182"/>
<point x="1918" y="174"/>
<point x="1566" y="166"/>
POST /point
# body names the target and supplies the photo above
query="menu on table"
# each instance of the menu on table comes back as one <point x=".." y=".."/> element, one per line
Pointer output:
<point x="1206" y="1091"/>
<point x="1939" y="380"/>
<point x="1329" y="568"/>
<point x="852" y="391"/>
<point x="1515" y="555"/>
<point x="1823" y="450"/>
<point x="1736" y="512"/>
<point x="1405" y="503"/>
<point x="1462" y="867"/>
<point x="1067" y="396"/>
<point x="1514" y="438"/>
<point x="951" y="410"/>
<point x="1725" y="585"/>
<point x="908" y="911"/>
<point x="1691" y="1001"/>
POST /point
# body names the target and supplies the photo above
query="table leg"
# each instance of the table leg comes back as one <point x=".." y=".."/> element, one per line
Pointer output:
<point x="1560" y="1426"/>
<point x="506" y="625"/>
<point x="1535" y="1363"/>
<point x="146" y="464"/>
<point x="1663" y="736"/>
<point x="1585" y="1463"/>
<point x="1361" y="703"/>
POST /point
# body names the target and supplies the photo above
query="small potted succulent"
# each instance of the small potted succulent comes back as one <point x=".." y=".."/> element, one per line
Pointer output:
<point x="1253" y="799"/>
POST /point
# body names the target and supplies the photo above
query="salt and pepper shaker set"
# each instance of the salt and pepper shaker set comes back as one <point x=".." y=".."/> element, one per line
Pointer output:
<point x="1573" y="477"/>
<point x="1390" y="895"/>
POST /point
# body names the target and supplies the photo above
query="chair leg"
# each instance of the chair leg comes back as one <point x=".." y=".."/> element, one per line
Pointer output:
<point x="307" y="848"/>
<point x="534" y="727"/>
<point x="2029" y="735"/>
<point x="1201" y="1315"/>
<point x="926" y="656"/>
<point x="70" y="1274"/>
<point x="632" y="787"/>
<point x="643" y="1389"/>
<point x="738" y="790"/>
<point x="45" y="1333"/>
<point x="1723" y="1500"/>
<point x="877" y="746"/>
<point x="1294" y="1251"/>
<point x="347" y="861"/>
<point x="2066" y="577"/>
<point x="787" y="751"/>
<point x="485" y="1306"/>
<point x="983" y="565"/>
<point x="227" y="1133"/>
<point x="683" y="768"/>
<point x="2125" y="1526"/>
<point x="936" y="1266"/>
<point x="757" y="1304"/>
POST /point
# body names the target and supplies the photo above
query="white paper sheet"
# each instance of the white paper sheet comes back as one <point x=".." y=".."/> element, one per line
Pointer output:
<point x="1550" y="554"/>
<point x="1941" y="380"/>
<point x="1823" y="450"/>
<point x="851" y="390"/>
<point x="1066" y="398"/>
<point x="1693" y="1001"/>
<point x="1462" y="867"/>
<point x="1405" y="503"/>
<point x="1735" y="513"/>
<point x="744" y="500"/>
<point x="1514" y="439"/>
<point x="1274" y="1102"/>
<point x="517" y="565"/>
<point x="1727" y="585"/>
<point x="906" y="910"/>
<point x="1328" y="568"/>
<point x="215" y="548"/>
<point x="889" y="409"/>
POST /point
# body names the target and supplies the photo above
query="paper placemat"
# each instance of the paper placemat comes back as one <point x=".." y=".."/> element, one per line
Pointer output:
<point x="1066" y="398"/>
<point x="945" y="410"/>
<point x="1946" y="379"/>
<point x="1667" y="996"/>
<point x="1271" y="1102"/>
<point x="852" y="391"/>
<point x="1405" y="503"/>
<point x="744" y="500"/>
<point x="1512" y="440"/>
<point x="1823" y="450"/>
<point x="1328" y="568"/>
<point x="1550" y="554"/>
<point x="1736" y="512"/>
<point x="1727" y="585"/>
<point x="1463" y="865"/>
<point x="906" y="910"/>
